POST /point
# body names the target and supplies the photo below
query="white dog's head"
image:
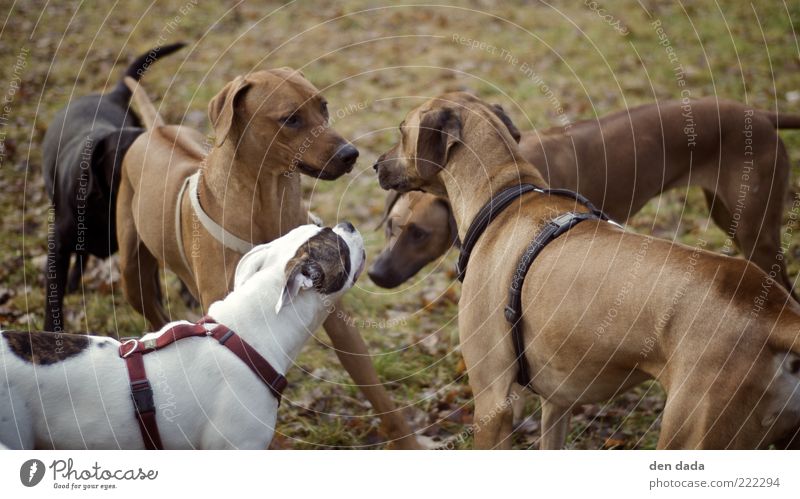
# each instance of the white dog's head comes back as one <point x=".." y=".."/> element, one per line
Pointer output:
<point x="315" y="262"/>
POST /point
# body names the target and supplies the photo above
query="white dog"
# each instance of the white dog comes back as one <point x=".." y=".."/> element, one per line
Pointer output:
<point x="68" y="391"/>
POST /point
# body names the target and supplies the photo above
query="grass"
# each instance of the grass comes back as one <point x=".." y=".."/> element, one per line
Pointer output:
<point x="374" y="61"/>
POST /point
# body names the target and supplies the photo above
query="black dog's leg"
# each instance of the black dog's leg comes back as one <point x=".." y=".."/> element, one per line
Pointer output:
<point x="188" y="299"/>
<point x="55" y="280"/>
<point x="76" y="272"/>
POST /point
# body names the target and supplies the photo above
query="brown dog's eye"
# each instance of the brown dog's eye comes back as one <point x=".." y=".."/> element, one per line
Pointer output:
<point x="324" y="107"/>
<point x="417" y="233"/>
<point x="291" y="121"/>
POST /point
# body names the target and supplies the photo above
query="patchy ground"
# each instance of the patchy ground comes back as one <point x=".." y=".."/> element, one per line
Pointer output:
<point x="546" y="64"/>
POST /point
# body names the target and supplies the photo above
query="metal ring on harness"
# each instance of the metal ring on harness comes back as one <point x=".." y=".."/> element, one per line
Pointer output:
<point x="129" y="352"/>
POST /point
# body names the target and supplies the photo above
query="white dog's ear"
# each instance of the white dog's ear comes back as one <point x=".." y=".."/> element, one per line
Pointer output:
<point x="250" y="263"/>
<point x="304" y="275"/>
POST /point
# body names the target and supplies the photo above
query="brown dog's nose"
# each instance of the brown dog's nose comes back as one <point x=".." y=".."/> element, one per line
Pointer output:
<point x="383" y="275"/>
<point x="347" y="154"/>
<point x="377" y="162"/>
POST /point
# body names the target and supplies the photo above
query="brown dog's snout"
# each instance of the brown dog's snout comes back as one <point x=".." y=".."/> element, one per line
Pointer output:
<point x="347" y="155"/>
<point x="383" y="274"/>
<point x="378" y="161"/>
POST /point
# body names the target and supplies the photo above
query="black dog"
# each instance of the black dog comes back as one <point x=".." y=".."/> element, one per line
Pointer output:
<point x="82" y="154"/>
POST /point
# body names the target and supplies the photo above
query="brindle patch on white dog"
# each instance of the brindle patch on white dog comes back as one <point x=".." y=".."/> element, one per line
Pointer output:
<point x="45" y="348"/>
<point x="325" y="258"/>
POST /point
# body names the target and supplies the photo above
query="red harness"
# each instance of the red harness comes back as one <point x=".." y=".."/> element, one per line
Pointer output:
<point x="141" y="390"/>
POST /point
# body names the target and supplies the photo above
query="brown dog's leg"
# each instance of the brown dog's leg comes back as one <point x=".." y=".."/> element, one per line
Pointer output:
<point x="719" y="212"/>
<point x="138" y="267"/>
<point x="518" y="404"/>
<point x="555" y="425"/>
<point x="686" y="420"/>
<point x="758" y="203"/>
<point x="757" y="240"/>
<point x="140" y="284"/>
<point x="492" y="385"/>
<point x="355" y="358"/>
<point x="763" y="242"/>
<point x="494" y="415"/>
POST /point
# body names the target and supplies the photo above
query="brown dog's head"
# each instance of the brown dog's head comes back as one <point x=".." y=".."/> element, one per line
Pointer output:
<point x="419" y="229"/>
<point x="283" y="117"/>
<point x="433" y="132"/>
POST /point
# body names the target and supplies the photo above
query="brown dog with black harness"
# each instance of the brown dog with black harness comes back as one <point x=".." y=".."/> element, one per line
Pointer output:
<point x="601" y="309"/>
<point x="623" y="160"/>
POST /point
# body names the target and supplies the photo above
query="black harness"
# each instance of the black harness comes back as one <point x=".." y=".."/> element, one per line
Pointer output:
<point x="552" y="229"/>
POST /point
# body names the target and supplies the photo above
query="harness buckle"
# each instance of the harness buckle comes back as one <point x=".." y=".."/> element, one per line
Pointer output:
<point x="142" y="395"/>
<point x="135" y="343"/>
<point x="562" y="220"/>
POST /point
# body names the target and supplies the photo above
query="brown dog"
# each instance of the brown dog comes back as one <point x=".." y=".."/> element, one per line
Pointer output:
<point x="267" y="124"/>
<point x="419" y="228"/>
<point x="603" y="309"/>
<point x="623" y="160"/>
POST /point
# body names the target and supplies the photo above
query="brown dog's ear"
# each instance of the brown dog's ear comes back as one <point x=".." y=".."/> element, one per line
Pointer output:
<point x="391" y="200"/>
<point x="512" y="129"/>
<point x="439" y="131"/>
<point x="451" y="222"/>
<point x="292" y="70"/>
<point x="221" y="108"/>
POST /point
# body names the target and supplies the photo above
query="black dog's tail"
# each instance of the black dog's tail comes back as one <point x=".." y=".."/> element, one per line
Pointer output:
<point x="142" y="63"/>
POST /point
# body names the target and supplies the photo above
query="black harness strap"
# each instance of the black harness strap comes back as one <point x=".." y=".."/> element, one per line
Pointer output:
<point x="496" y="205"/>
<point x="513" y="312"/>
<point x="489" y="212"/>
<point x="551" y="230"/>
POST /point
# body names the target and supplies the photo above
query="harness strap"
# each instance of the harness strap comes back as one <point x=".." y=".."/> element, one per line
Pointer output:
<point x="497" y="204"/>
<point x="142" y="396"/>
<point x="132" y="351"/>
<point x="551" y="230"/>
<point x="489" y="212"/>
<point x="513" y="311"/>
<point x="275" y="381"/>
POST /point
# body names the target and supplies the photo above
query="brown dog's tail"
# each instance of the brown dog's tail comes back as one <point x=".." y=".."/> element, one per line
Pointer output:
<point x="143" y="106"/>
<point x="783" y="120"/>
